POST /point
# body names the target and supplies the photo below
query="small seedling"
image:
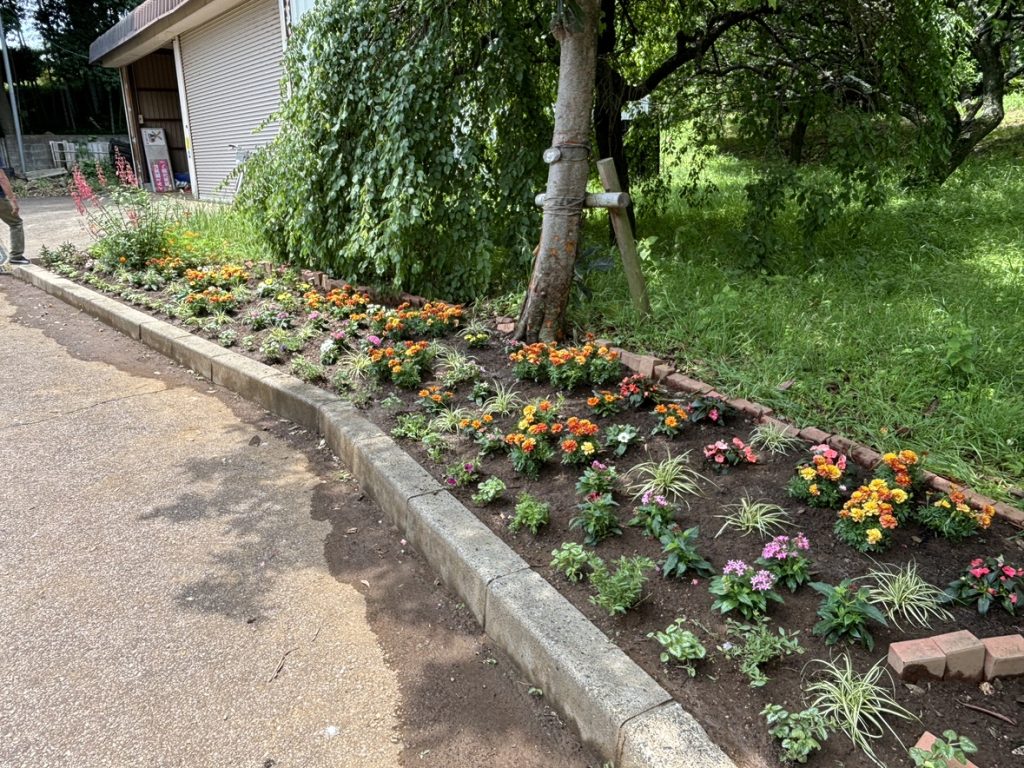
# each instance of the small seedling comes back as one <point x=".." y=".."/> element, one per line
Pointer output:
<point x="800" y="733"/>
<point x="680" y="645"/>
<point x="571" y="559"/>
<point x="620" y="590"/>
<point x="531" y="513"/>
<point x="488" y="490"/>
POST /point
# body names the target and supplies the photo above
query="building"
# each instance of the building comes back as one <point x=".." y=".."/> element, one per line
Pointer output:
<point x="208" y="73"/>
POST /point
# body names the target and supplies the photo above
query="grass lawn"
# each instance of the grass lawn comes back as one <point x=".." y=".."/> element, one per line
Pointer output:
<point x="901" y="327"/>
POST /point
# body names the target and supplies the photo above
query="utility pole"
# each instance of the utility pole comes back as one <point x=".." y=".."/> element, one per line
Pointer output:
<point x="14" y="99"/>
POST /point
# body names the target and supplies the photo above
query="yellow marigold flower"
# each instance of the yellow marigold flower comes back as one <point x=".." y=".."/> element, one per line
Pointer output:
<point x="807" y="473"/>
<point x="874" y="535"/>
<point x="814" y="490"/>
<point x="588" y="448"/>
<point x="899" y="495"/>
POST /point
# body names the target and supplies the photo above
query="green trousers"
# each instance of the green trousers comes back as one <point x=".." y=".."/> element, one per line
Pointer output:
<point x="13" y="220"/>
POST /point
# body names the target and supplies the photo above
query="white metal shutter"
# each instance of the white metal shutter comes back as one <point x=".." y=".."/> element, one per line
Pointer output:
<point x="232" y="71"/>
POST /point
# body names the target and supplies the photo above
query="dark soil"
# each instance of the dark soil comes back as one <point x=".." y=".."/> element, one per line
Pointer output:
<point x="464" y="704"/>
<point x="733" y="719"/>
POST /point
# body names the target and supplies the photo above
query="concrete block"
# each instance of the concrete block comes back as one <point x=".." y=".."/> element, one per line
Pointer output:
<point x="814" y="435"/>
<point x="459" y="548"/>
<point x="295" y="400"/>
<point x="668" y="737"/>
<point x="390" y="476"/>
<point x="941" y="484"/>
<point x="118" y="316"/>
<point x="181" y="346"/>
<point x="914" y="660"/>
<point x="685" y="384"/>
<point x="746" y="407"/>
<point x="647" y="364"/>
<point x="581" y="672"/>
<point x="965" y="655"/>
<point x="1004" y="656"/>
<point x="343" y="427"/>
<point x="628" y="359"/>
<point x="242" y="375"/>
<point x="926" y="742"/>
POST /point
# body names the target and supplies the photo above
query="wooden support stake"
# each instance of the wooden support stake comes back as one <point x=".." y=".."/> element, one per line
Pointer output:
<point x="624" y="236"/>
<point x="600" y="200"/>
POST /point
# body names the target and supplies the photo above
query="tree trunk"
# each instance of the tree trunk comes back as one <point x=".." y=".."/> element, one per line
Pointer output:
<point x="543" y="314"/>
<point x="609" y="99"/>
<point x="986" y="113"/>
<point x="798" y="136"/>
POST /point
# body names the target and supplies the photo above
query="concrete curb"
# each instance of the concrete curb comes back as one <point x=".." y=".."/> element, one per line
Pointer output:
<point x="620" y="711"/>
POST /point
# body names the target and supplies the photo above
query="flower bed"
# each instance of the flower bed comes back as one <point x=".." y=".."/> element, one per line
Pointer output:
<point x="694" y="628"/>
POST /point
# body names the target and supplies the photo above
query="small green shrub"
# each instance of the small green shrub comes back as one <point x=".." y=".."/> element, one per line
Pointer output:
<point x="488" y="490"/>
<point x="800" y="733"/>
<point x="571" y="559"/>
<point x="597" y="518"/>
<point x="531" y="513"/>
<point x="621" y="589"/>
<point x="948" y="751"/>
<point x="680" y="645"/>
<point x="682" y="558"/>
<point x="755" y="644"/>
<point x="307" y="370"/>
<point x="845" y="612"/>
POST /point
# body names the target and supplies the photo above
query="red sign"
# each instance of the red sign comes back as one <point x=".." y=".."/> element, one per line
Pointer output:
<point x="160" y="171"/>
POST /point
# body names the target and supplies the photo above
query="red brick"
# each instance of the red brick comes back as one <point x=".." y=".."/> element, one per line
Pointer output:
<point x="1011" y="513"/>
<point x="686" y="384"/>
<point x="745" y="406"/>
<point x="1004" y="656"/>
<point x="506" y="327"/>
<point x="629" y="359"/>
<point x="814" y="435"/>
<point x="965" y="655"/>
<point x="843" y="444"/>
<point x="941" y="484"/>
<point x="914" y="660"/>
<point x="866" y="457"/>
<point x="663" y="371"/>
<point x="308" y="276"/>
<point x="928" y="739"/>
<point x="789" y="429"/>
<point x="647" y="365"/>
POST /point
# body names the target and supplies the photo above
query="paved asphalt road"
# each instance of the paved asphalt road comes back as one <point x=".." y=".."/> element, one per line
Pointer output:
<point x="167" y="590"/>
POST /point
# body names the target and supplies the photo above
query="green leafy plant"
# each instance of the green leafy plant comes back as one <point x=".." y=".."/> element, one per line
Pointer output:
<point x="449" y="419"/>
<point x="844" y="613"/>
<point x="904" y="595"/>
<point x="411" y="426"/>
<point x="774" y="437"/>
<point x="531" y="513"/>
<point x="619" y="590"/>
<point x="391" y="402"/>
<point x="571" y="559"/>
<point x="456" y="368"/>
<point x="278" y="345"/>
<point x="742" y="588"/>
<point x="989" y="581"/>
<point x="353" y="369"/>
<point x="502" y="401"/>
<point x="681" y="556"/>
<point x="619" y="437"/>
<point x="946" y="752"/>
<point x="784" y="556"/>
<point x="306" y="369"/>
<point x="801" y="734"/>
<point x="596" y="518"/>
<point x="758" y="517"/>
<point x="461" y="474"/>
<point x="228" y="337"/>
<point x="654" y="514"/>
<point x="679" y="645"/>
<point x="856" y="704"/>
<point x="488" y="491"/>
<point x="672" y="478"/>
<point x="756" y="644"/>
<point x="598" y="478"/>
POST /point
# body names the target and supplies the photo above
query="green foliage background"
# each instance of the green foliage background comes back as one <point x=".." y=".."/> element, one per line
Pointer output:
<point x="409" y="144"/>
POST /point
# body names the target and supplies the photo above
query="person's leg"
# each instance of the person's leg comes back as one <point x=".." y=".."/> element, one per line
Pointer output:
<point x="13" y="220"/>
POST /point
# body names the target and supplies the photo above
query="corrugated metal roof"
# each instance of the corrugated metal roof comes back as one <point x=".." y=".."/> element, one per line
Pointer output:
<point x="135" y="22"/>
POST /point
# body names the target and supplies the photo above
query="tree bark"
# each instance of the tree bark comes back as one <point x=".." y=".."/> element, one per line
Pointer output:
<point x="543" y="314"/>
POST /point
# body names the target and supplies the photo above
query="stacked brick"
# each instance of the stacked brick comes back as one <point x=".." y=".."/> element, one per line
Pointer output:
<point x="958" y="656"/>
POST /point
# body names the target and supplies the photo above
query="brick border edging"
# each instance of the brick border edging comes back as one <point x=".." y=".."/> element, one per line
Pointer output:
<point x="864" y="455"/>
<point x="618" y="709"/>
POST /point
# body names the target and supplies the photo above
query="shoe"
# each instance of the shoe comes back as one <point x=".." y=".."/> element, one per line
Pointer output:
<point x="19" y="260"/>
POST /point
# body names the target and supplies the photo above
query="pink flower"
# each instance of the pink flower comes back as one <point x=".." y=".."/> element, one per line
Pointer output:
<point x="735" y="567"/>
<point x="1013" y="599"/>
<point x="713" y="414"/>
<point x="976" y="562"/>
<point x="763" y="581"/>
<point x="719" y="459"/>
<point x="1009" y="571"/>
<point x="801" y="542"/>
<point x="978" y="572"/>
